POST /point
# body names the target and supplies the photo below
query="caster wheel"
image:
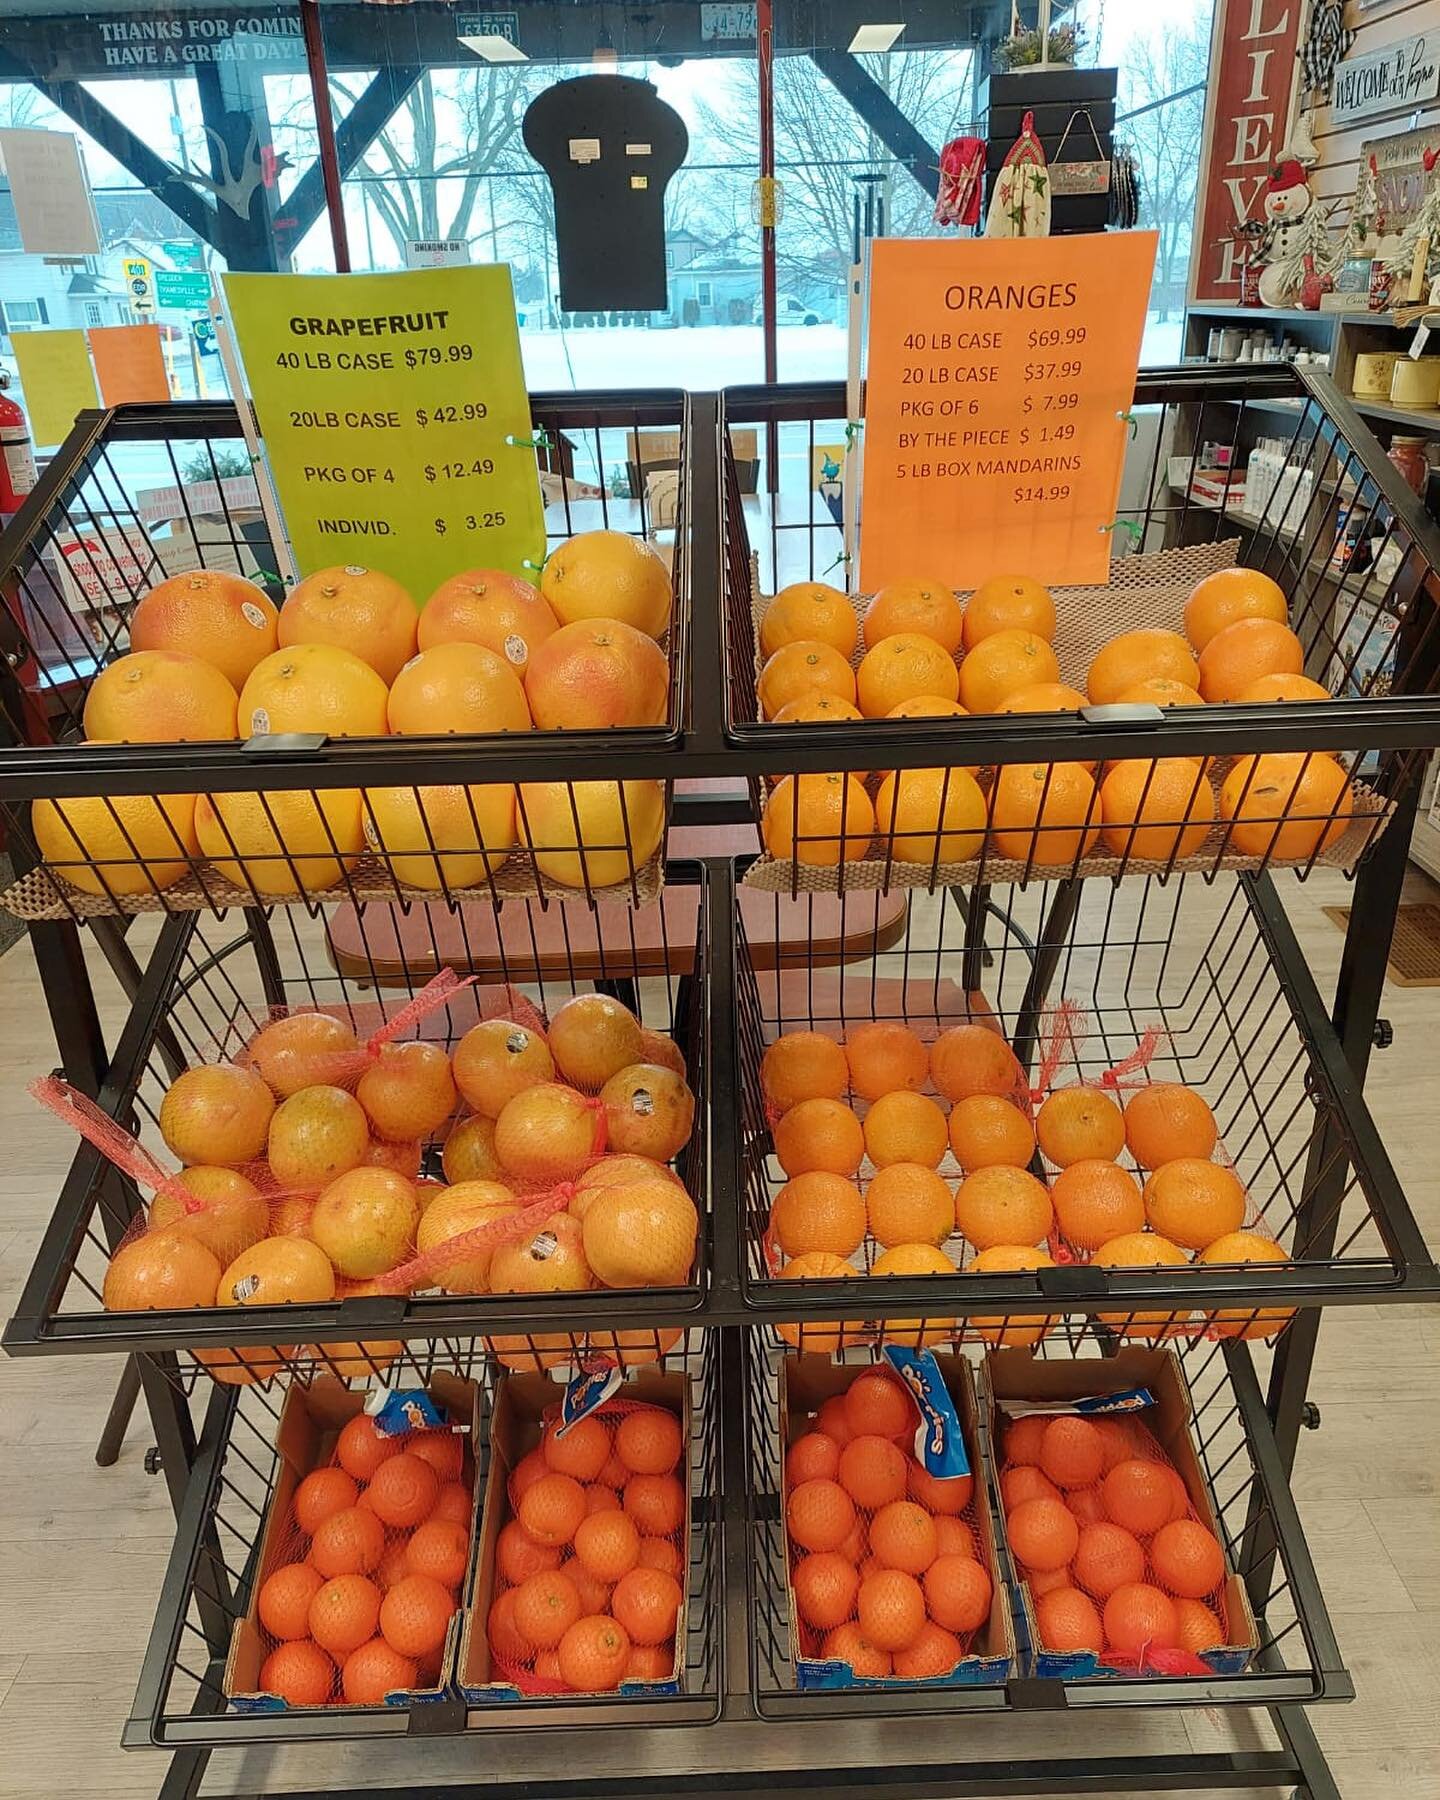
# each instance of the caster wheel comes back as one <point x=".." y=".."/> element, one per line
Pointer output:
<point x="153" y="1462"/>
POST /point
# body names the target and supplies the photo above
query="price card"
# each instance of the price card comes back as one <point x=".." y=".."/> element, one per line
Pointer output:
<point x="998" y="373"/>
<point x="395" y="418"/>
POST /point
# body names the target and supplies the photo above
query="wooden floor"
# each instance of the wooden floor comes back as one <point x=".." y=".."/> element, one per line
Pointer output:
<point x="82" y="1549"/>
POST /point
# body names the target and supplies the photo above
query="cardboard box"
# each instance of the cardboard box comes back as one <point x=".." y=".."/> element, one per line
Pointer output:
<point x="515" y="1424"/>
<point x="1017" y="1375"/>
<point x="310" y="1421"/>
<point x="805" y="1383"/>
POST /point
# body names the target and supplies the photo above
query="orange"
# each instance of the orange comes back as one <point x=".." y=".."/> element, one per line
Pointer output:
<point x="517" y="1556"/>
<point x="216" y="1113"/>
<point x="629" y="1349"/>
<point x="818" y="819"/>
<point x="872" y="1471"/>
<point x="803" y="1065"/>
<point x="902" y="1536"/>
<point x="1137" y="656"/>
<point x="1001" y="1205"/>
<point x="591" y="834"/>
<point x="903" y="667"/>
<point x="595" y="674"/>
<point x="375" y="1670"/>
<point x="648" y="1442"/>
<point x="943" y="1499"/>
<point x="1022" y="1439"/>
<point x="973" y="1059"/>
<point x="884" y="1056"/>
<point x="1246" y="1322"/>
<point x="646" y="1603"/>
<point x="582" y="1451"/>
<point x="441" y="837"/>
<point x="908" y="1204"/>
<point x="1286" y="804"/>
<point x="360" y="1448"/>
<point x="1080" y="1124"/>
<point x="415" y="1615"/>
<point x="933" y="1652"/>
<point x="607" y="1544"/>
<point x="808" y="610"/>
<point x="848" y="1644"/>
<point x="819" y="1134"/>
<point x="1042" y="1533"/>
<point x="930" y="815"/>
<point x="928" y="706"/>
<point x="647" y="1662"/>
<point x="403" y="1491"/>
<point x="546" y="1606"/>
<point x="1108" y="1557"/>
<point x="159" y="697"/>
<point x="594" y="1653"/>
<point x="905" y="1127"/>
<point x="1139" y="1619"/>
<point x="986" y="1130"/>
<point x="1009" y="1330"/>
<point x="313" y="688"/>
<point x="322" y="1493"/>
<point x="641" y="1236"/>
<point x="1193" y="1202"/>
<point x="816" y="708"/>
<point x="552" y="1508"/>
<point x="1159" y="690"/>
<point x="1045" y="696"/>
<point x="1142" y="1250"/>
<point x="1004" y="663"/>
<point x="1067" y="1620"/>
<point x="921" y="608"/>
<point x="286" y="842"/>
<point x="876" y="1404"/>
<point x="1096" y="1200"/>
<point x="890" y="1609"/>
<point x="819" y="1515"/>
<point x="498" y="1059"/>
<point x="805" y="667"/>
<point x="1023" y="1481"/>
<point x="1228" y="595"/>
<point x="833" y="1419"/>
<point x="608" y="575"/>
<point x="1142" y="1494"/>
<point x="1165" y="1120"/>
<point x="118" y="844"/>
<point x="1244" y="651"/>
<point x="656" y="1503"/>
<point x="407" y="1091"/>
<point x="1047" y="1581"/>
<point x="457" y="688"/>
<point x="344" y="1613"/>
<point x="487" y="607"/>
<point x="818" y="1211"/>
<point x="354" y="609"/>
<point x="1008" y="603"/>
<point x="1187" y="1559"/>
<point x="600" y="1499"/>
<point x="526" y="1473"/>
<point x="301" y="1674"/>
<point x="1200" y="1629"/>
<point x="1156" y="810"/>
<point x="1271" y="688"/>
<point x="1071" y="1452"/>
<point x="957" y="1593"/>
<point x="439" y="1548"/>
<point x="223" y="619"/>
<point x="505" y="1640"/>
<point x="813" y="1456"/>
<point x="824" y="1338"/>
<point x="825" y="1587"/>
<point x="1045" y="813"/>
<point x="1086" y="1505"/>
<point x="659" y="1553"/>
<point x="914" y="1259"/>
<point x="283" y="1602"/>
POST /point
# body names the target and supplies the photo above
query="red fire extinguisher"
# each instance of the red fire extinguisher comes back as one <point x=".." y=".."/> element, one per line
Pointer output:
<point x="17" y="457"/>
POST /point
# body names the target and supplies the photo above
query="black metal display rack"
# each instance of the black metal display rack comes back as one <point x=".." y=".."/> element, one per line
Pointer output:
<point x="720" y="954"/>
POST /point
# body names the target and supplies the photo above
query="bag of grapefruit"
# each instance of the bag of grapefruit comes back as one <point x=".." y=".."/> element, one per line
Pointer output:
<point x="1117" y="1560"/>
<point x="365" y="1576"/>
<point x="590" y="1566"/>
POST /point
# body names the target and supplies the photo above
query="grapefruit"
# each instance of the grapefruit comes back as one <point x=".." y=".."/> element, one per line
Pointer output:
<point x="354" y="609"/>
<point x="591" y="834"/>
<point x="608" y="575"/>
<point x="457" y="688"/>
<point x="550" y="1260"/>
<point x="160" y="1270"/>
<point x="498" y="1059"/>
<point x="159" y="697"/>
<point x="313" y="688"/>
<point x="302" y="1050"/>
<point x="441" y="837"/>
<point x="365" y="1221"/>
<point x="407" y="1091"/>
<point x="641" y="1235"/>
<point x="278" y="1271"/>
<point x="649" y="1111"/>
<point x="548" y="1133"/>
<point x="499" y="612"/>
<point x="593" y="1037"/>
<point x="463" y="1208"/>
<point x="229" y="1214"/>
<point x="469" y="1152"/>
<point x="216" y="1113"/>
<point x="597" y="673"/>
<point x="285" y="842"/>
<point x="125" y="844"/>
<point x="316" y="1136"/>
<point x="223" y="619"/>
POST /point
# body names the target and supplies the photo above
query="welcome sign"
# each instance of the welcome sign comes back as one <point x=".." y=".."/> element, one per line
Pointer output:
<point x="1400" y="75"/>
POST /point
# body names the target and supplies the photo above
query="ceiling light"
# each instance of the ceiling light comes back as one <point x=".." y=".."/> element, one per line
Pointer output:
<point x="875" y="37"/>
<point x="495" y="49"/>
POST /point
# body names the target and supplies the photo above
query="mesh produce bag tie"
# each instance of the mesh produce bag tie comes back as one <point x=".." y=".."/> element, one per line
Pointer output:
<point x="113" y="1142"/>
<point x="344" y="1067"/>
<point x="423" y="1271"/>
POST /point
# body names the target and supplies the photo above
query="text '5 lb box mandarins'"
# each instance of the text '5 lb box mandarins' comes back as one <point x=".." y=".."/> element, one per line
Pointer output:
<point x="581" y="1573"/>
<point x="891" y="1573"/>
<point x="364" y="1550"/>
<point x="1119" y="1567"/>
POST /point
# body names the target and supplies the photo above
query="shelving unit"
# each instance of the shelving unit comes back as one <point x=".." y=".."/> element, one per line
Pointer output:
<point x="1208" y="950"/>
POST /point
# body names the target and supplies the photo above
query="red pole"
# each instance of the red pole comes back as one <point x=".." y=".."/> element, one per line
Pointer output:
<point x="325" y="132"/>
<point x="765" y="53"/>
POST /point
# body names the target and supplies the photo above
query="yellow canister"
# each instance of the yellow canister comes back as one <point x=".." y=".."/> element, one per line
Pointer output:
<point x="1416" y="381"/>
<point x="1374" y="370"/>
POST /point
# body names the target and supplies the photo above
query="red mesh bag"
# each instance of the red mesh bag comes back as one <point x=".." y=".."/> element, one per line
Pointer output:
<point x="1115" y="1556"/>
<point x="591" y="1562"/>
<point x="362" y="1580"/>
<point x="884" y="1559"/>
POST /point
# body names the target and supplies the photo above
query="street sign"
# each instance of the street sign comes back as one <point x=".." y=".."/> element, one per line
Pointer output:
<point x="139" y="283"/>
<point x="185" y="255"/>
<point x="183" y="288"/>
<point x="203" y="331"/>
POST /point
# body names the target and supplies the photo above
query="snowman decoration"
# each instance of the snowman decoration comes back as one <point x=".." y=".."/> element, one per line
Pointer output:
<point x="1287" y="201"/>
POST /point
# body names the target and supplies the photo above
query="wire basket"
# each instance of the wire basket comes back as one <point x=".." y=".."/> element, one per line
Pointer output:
<point x="1213" y="974"/>
<point x="142" y="493"/>
<point x="1344" y="538"/>
<point x="208" y="987"/>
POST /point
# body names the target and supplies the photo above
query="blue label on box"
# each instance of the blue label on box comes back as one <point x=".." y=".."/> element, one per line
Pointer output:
<point x="1129" y="1400"/>
<point x="939" y="1442"/>
<point x="398" y="1410"/>
<point x="586" y="1393"/>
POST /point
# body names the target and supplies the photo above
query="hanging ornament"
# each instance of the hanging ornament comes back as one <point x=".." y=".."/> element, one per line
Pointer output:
<point x="962" y="163"/>
<point x="1020" y="201"/>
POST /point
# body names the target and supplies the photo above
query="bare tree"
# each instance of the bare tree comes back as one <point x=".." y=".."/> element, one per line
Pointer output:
<point x="1156" y="73"/>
